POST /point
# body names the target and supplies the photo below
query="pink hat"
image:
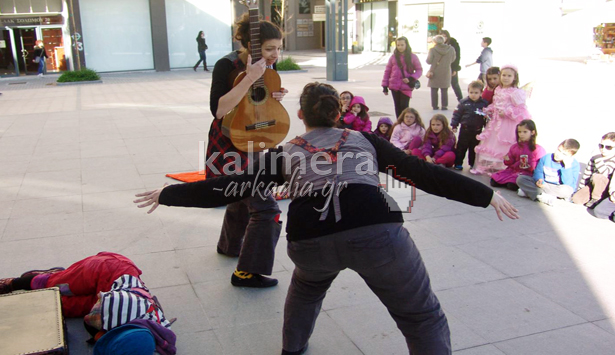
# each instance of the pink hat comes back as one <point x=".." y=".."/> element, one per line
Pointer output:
<point x="509" y="66"/>
<point x="359" y="100"/>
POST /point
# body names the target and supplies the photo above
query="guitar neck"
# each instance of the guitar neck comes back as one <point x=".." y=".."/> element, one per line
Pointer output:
<point x="255" y="42"/>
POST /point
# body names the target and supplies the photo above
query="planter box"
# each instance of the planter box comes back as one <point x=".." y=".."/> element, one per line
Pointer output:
<point x="80" y="82"/>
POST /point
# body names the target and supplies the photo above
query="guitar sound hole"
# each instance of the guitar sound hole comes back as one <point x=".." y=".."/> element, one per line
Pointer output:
<point x="258" y="94"/>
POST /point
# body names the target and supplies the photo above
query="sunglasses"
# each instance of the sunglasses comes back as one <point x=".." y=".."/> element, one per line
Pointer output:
<point x="607" y="147"/>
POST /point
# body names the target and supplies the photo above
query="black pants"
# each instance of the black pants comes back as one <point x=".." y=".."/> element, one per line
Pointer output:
<point x="401" y="102"/>
<point x="434" y="97"/>
<point x="456" y="88"/>
<point x="467" y="142"/>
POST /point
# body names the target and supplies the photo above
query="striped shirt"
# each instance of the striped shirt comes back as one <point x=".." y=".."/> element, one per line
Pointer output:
<point x="597" y="165"/>
<point x="127" y="300"/>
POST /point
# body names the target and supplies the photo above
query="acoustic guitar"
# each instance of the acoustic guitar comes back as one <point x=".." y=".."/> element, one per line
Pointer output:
<point x="259" y="120"/>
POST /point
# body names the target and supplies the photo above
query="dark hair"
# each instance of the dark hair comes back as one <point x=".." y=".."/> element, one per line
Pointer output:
<point x="407" y="56"/>
<point x="351" y="97"/>
<point x="571" y="146"/>
<point x="487" y="40"/>
<point x="447" y="35"/>
<point x="363" y="113"/>
<point x="493" y="70"/>
<point x="531" y="125"/>
<point x="320" y="105"/>
<point x="477" y="84"/>
<point x="199" y="35"/>
<point x="268" y="30"/>
<point x="609" y="136"/>
<point x="446" y="130"/>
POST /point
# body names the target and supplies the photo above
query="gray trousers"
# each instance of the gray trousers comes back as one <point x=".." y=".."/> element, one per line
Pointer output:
<point x="605" y="209"/>
<point x="385" y="257"/>
<point x="250" y="231"/>
<point x="434" y="97"/>
<point x="528" y="185"/>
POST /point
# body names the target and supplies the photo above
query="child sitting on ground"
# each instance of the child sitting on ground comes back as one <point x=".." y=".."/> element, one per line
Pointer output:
<point x="409" y="130"/>
<point x="606" y="208"/>
<point x="438" y="143"/>
<point x="358" y="117"/>
<point x="521" y="158"/>
<point x="493" y="80"/>
<point x="471" y="122"/>
<point x="555" y="175"/>
<point x="383" y="129"/>
<point x="599" y="169"/>
<point x="345" y="99"/>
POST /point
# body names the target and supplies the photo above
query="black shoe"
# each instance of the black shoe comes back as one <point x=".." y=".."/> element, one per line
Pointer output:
<point x="591" y="203"/>
<point x="444" y="109"/>
<point x="436" y="108"/>
<point x="256" y="281"/>
<point x="298" y="352"/>
<point x="206" y="69"/>
<point x="194" y="68"/>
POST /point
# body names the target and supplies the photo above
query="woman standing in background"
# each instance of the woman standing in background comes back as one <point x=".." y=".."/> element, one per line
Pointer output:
<point x="202" y="47"/>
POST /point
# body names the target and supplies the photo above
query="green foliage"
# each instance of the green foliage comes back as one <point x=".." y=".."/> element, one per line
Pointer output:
<point x="287" y="64"/>
<point x="78" y="75"/>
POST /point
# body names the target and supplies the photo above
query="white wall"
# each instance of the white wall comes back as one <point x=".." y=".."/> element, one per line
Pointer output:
<point x="116" y="34"/>
<point x="185" y="18"/>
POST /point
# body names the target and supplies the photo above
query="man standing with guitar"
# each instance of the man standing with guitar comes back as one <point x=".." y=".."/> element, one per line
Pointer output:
<point x="251" y="227"/>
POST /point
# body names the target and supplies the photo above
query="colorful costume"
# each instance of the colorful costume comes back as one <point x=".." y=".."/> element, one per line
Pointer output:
<point x="499" y="134"/>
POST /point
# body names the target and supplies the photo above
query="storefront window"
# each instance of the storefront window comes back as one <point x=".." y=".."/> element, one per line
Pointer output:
<point x="117" y="34"/>
<point x="375" y="23"/>
<point x="29" y="6"/>
<point x="185" y="18"/>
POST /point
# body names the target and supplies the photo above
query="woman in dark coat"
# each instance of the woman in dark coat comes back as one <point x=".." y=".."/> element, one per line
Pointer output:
<point x="202" y="47"/>
<point x="455" y="67"/>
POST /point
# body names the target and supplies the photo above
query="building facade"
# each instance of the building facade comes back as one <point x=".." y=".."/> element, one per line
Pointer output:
<point x="112" y="35"/>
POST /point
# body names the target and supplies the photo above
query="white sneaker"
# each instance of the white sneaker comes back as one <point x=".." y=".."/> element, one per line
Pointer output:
<point x="40" y="75"/>
<point x="547" y="199"/>
<point x="521" y="193"/>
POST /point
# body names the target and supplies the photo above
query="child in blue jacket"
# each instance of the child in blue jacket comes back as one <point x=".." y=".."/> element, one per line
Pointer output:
<point x="555" y="176"/>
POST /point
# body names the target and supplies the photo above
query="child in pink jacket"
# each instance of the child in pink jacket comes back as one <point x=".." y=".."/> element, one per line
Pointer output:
<point x="408" y="131"/>
<point x="358" y="117"/>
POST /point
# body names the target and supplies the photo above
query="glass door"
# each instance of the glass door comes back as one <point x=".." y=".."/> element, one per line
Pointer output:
<point x="7" y="54"/>
<point x="54" y="46"/>
<point x="25" y="40"/>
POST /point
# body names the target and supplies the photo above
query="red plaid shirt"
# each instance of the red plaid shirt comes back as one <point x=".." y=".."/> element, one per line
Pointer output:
<point x="223" y="77"/>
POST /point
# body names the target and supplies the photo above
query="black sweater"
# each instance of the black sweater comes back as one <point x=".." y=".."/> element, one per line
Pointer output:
<point x="361" y="205"/>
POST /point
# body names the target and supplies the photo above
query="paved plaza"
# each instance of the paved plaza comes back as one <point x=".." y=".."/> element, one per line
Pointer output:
<point x="72" y="158"/>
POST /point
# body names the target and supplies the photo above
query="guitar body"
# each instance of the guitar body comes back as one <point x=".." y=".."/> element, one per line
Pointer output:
<point x="258" y="118"/>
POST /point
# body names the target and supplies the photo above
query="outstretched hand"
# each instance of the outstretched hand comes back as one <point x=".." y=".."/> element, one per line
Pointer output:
<point x="149" y="198"/>
<point x="501" y="205"/>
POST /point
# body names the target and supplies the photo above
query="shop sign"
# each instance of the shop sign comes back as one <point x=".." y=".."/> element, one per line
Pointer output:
<point x="12" y="21"/>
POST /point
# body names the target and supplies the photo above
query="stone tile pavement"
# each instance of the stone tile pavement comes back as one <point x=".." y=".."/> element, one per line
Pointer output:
<point x="72" y="157"/>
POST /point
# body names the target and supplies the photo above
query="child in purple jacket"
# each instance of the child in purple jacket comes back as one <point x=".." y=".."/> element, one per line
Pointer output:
<point x="438" y="144"/>
<point x="358" y="117"/>
<point x="383" y="128"/>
